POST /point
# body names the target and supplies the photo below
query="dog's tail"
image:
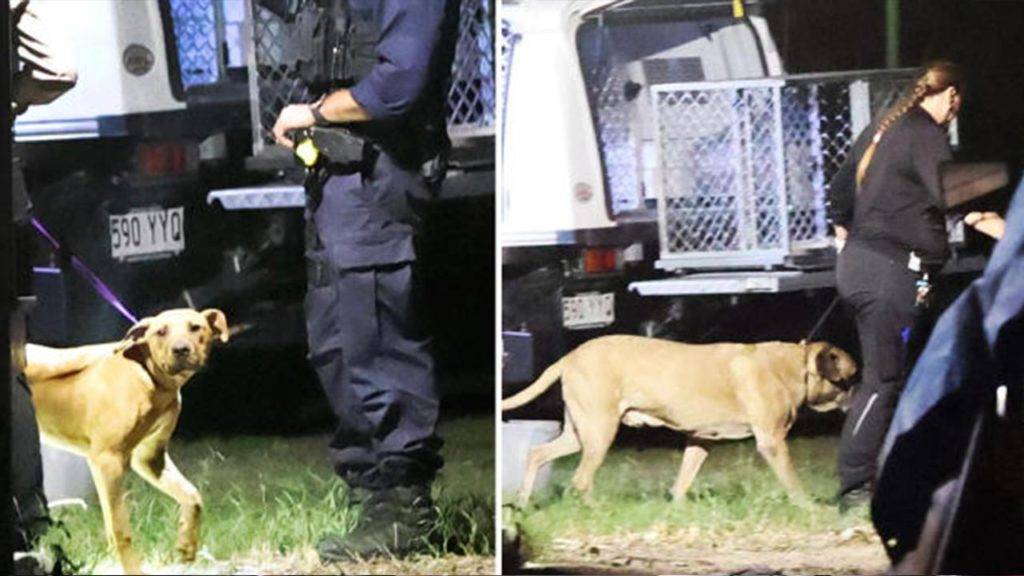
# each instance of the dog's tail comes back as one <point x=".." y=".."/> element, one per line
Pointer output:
<point x="539" y="386"/>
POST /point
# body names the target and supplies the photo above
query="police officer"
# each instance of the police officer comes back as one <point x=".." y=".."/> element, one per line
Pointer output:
<point x="387" y="66"/>
<point x="40" y="73"/>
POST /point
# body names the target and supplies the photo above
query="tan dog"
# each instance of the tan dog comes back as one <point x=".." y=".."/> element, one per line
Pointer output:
<point x="709" y="392"/>
<point x="117" y="404"/>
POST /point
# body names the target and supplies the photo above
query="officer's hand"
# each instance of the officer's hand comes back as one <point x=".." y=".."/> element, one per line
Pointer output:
<point x="292" y="117"/>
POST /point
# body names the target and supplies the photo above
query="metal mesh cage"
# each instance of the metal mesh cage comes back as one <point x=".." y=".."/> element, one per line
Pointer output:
<point x="615" y="120"/>
<point x="507" y="46"/>
<point x="471" y="96"/>
<point x="720" y="159"/>
<point x="274" y="81"/>
<point x="197" y="36"/>
<point x="745" y="165"/>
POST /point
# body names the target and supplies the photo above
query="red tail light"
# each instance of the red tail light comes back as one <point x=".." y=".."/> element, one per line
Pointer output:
<point x="598" y="260"/>
<point x="163" y="158"/>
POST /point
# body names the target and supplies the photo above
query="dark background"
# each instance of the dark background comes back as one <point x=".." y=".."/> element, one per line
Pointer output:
<point x="985" y="36"/>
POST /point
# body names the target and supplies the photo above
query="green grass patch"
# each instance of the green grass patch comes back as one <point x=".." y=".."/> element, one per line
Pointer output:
<point x="279" y="495"/>
<point x="735" y="493"/>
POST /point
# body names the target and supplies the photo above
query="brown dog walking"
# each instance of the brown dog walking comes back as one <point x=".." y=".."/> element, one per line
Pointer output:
<point x="117" y="404"/>
<point x="709" y="392"/>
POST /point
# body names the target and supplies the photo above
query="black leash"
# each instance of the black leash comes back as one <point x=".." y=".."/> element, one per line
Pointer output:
<point x="822" y="318"/>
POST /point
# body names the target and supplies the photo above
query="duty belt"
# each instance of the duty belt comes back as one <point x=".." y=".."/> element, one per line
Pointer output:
<point x="335" y="148"/>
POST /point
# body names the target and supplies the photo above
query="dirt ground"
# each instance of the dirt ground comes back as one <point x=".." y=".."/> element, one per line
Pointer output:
<point x="854" y="551"/>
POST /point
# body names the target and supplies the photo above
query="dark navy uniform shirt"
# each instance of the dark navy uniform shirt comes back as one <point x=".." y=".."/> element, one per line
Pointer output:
<point x="365" y="219"/>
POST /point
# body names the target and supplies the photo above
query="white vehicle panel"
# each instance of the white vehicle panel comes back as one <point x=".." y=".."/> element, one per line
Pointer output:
<point x="97" y="33"/>
<point x="551" y="159"/>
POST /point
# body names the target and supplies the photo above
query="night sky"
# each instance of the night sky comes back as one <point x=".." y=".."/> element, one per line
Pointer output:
<point x="986" y="36"/>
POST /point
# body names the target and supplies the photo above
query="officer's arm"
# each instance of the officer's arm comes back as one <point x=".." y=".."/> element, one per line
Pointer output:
<point x="410" y="37"/>
<point x="411" y="34"/>
<point x="47" y="71"/>
<point x="339" y="106"/>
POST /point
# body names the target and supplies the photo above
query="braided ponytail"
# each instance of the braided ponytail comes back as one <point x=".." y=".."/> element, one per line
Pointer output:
<point x="938" y="76"/>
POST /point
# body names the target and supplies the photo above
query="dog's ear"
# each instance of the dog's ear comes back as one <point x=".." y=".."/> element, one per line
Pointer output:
<point x="218" y="323"/>
<point x="138" y="331"/>
<point x="134" y="345"/>
<point x="826" y="362"/>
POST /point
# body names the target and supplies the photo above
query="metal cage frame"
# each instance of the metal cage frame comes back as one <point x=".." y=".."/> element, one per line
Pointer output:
<point x="745" y="164"/>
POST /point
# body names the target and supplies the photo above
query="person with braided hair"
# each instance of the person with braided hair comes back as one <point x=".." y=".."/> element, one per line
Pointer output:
<point x="886" y="206"/>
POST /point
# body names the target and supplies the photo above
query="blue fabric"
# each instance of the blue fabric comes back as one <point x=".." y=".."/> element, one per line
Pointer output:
<point x="973" y="345"/>
<point x="367" y="218"/>
<point x="411" y="34"/>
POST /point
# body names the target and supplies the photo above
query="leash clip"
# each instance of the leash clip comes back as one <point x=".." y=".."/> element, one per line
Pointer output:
<point x="924" y="289"/>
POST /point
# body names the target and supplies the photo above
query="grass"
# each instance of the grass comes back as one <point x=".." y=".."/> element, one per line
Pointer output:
<point x="267" y="497"/>
<point x="735" y="499"/>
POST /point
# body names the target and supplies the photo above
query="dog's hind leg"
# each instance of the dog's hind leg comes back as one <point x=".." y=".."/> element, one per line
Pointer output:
<point x="596" y="438"/>
<point x="567" y="443"/>
<point x="156" y="467"/>
<point x="693" y="458"/>
<point x="108" y="470"/>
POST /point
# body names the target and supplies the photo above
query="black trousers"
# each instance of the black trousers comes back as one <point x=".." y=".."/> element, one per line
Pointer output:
<point x="373" y="361"/>
<point x="30" y="513"/>
<point x="880" y="290"/>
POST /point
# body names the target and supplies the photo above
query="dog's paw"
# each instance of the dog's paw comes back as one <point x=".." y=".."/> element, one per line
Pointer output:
<point x="187" y="551"/>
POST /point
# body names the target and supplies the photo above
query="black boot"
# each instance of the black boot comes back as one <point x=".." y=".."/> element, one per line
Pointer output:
<point x="856" y="499"/>
<point x="393" y="522"/>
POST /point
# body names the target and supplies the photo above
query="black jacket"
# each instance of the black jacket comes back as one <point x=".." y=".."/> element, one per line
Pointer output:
<point x="899" y="205"/>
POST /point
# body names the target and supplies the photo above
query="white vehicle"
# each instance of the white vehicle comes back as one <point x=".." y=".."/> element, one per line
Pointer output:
<point x="657" y="148"/>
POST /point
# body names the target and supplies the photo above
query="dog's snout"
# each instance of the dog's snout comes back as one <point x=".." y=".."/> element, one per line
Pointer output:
<point x="181" y="349"/>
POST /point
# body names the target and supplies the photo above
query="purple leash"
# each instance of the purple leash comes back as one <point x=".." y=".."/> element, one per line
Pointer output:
<point x="102" y="289"/>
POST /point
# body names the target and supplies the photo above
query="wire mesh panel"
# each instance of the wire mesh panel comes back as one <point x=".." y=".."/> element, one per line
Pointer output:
<point x="196" y="36"/>
<point x="275" y="82"/>
<point x="819" y="135"/>
<point x="805" y="171"/>
<point x="471" y="96"/>
<point x="507" y="46"/>
<point x="615" y="119"/>
<point x="746" y="187"/>
<point x="722" y="196"/>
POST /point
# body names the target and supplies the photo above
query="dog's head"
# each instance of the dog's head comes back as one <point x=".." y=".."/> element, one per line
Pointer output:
<point x="176" y="343"/>
<point x="829" y="372"/>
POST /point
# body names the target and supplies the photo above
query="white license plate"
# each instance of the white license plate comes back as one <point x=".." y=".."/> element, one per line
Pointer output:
<point x="588" y="310"/>
<point x="147" y="233"/>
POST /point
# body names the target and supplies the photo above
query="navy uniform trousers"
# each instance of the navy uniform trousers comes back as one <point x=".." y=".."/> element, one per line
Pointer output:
<point x="881" y="291"/>
<point x="368" y="348"/>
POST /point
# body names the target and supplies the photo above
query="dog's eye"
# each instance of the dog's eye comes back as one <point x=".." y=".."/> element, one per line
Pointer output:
<point x="162" y="332"/>
<point x="193" y="327"/>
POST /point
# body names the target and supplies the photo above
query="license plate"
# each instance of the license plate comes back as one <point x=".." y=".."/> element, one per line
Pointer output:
<point x="145" y="234"/>
<point x="592" y="310"/>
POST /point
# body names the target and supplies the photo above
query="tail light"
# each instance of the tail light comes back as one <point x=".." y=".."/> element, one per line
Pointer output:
<point x="165" y="158"/>
<point x="600" y="260"/>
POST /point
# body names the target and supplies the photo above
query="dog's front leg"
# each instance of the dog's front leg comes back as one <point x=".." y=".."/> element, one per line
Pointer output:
<point x="775" y="451"/>
<point x="158" y="469"/>
<point x="108" y="468"/>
